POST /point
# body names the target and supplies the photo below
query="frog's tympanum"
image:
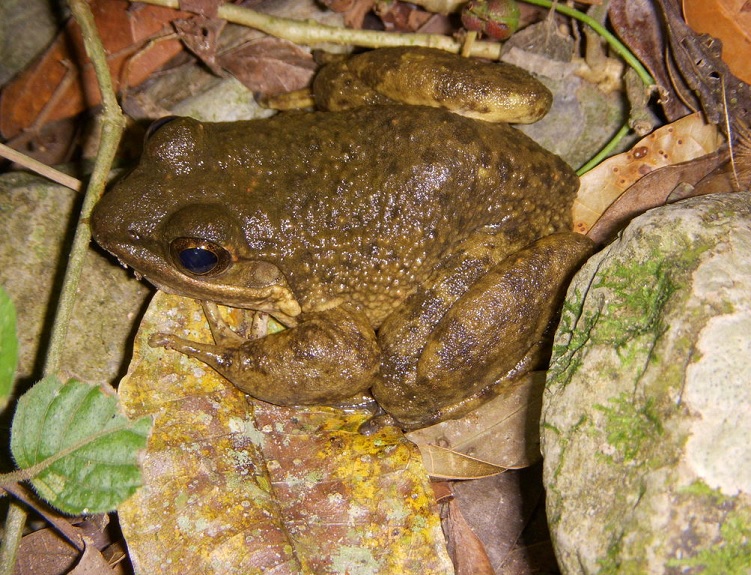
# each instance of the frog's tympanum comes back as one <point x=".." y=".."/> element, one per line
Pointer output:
<point x="411" y="251"/>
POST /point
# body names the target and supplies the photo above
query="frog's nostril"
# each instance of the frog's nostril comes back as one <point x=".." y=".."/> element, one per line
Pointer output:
<point x="133" y="233"/>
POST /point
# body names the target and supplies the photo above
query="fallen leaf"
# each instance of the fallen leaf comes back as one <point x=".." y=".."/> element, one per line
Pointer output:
<point x="730" y="21"/>
<point x="233" y="485"/>
<point x="354" y="11"/>
<point x="61" y="82"/>
<point x="681" y="141"/>
<point x="442" y="463"/>
<point x="698" y="60"/>
<point x="507" y="513"/>
<point x="651" y="191"/>
<point x="467" y="551"/>
<point x="270" y="66"/>
<point x="45" y="551"/>
<point x="503" y="433"/>
<point x="639" y="25"/>
<point x="201" y="37"/>
<point x="92" y="562"/>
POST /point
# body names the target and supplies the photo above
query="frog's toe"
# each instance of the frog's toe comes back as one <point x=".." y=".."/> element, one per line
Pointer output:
<point x="165" y="340"/>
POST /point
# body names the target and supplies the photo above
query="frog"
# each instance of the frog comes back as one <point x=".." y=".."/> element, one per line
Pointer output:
<point x="414" y="250"/>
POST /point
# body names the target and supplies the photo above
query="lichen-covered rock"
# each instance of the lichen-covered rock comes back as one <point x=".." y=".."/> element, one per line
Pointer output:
<point x="647" y="411"/>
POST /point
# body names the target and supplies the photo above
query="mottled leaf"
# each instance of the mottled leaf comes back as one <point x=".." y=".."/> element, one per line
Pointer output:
<point x="233" y="485"/>
<point x="683" y="140"/>
<point x="90" y="446"/>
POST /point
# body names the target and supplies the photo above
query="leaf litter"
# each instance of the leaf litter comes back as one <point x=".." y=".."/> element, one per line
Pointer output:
<point x="234" y="485"/>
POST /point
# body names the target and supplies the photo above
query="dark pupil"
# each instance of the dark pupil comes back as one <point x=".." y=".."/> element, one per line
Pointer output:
<point x="198" y="260"/>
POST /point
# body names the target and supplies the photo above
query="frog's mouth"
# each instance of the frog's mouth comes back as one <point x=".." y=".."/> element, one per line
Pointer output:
<point x="250" y="285"/>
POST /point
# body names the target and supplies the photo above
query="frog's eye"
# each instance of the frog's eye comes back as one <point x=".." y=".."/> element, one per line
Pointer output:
<point x="200" y="257"/>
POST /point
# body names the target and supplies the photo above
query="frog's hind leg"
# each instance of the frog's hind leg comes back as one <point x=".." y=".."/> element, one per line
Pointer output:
<point x="490" y="334"/>
<point x="328" y="357"/>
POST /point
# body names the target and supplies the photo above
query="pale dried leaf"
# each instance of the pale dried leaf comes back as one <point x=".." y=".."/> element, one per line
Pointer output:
<point x="232" y="485"/>
<point x="443" y="463"/>
<point x="681" y="141"/>
<point x="92" y="562"/>
<point x="504" y="432"/>
<point x="649" y="192"/>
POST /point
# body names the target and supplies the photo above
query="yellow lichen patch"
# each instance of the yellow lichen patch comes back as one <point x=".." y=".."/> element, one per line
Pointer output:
<point x="232" y="485"/>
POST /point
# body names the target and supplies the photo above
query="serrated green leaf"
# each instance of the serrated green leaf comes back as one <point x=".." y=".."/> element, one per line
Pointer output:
<point x="8" y="347"/>
<point x="93" y="447"/>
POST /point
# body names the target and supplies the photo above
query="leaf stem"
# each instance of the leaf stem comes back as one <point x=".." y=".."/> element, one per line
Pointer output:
<point x="605" y="152"/>
<point x="308" y="32"/>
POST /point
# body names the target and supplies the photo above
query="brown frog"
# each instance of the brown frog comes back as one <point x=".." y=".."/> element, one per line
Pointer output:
<point x="411" y="252"/>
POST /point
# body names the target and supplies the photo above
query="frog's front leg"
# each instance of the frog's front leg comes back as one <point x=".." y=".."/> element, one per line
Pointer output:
<point x="456" y="342"/>
<point x="329" y="357"/>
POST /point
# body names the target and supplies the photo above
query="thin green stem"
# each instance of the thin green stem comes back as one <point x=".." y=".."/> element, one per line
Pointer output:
<point x="621" y="50"/>
<point x="605" y="152"/>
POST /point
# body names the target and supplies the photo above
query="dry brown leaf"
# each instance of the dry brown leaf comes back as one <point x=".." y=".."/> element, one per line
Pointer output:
<point x="507" y="513"/>
<point x="92" y="563"/>
<point x="639" y="25"/>
<point x="61" y="82"/>
<point x="467" y="551"/>
<point x="201" y="37"/>
<point x="730" y="21"/>
<point x="45" y="551"/>
<point x="238" y="486"/>
<point x="270" y="66"/>
<point x="651" y="191"/>
<point x="503" y="432"/>
<point x="681" y="141"/>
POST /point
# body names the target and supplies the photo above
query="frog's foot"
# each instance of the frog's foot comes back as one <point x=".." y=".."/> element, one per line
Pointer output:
<point x="377" y="423"/>
<point x="209" y="354"/>
<point x="328" y="358"/>
<point x="222" y="333"/>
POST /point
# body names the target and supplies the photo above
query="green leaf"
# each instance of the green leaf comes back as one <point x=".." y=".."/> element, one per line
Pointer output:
<point x="91" y="448"/>
<point x="8" y="347"/>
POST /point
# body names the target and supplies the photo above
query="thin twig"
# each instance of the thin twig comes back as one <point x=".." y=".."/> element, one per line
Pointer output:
<point x="308" y="32"/>
<point x="40" y="168"/>
<point x="113" y="123"/>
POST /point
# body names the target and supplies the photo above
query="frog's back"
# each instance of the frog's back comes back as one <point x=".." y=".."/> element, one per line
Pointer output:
<point x="364" y="202"/>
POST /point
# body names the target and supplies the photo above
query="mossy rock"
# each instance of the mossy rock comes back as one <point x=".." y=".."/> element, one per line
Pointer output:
<point x="645" y="420"/>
